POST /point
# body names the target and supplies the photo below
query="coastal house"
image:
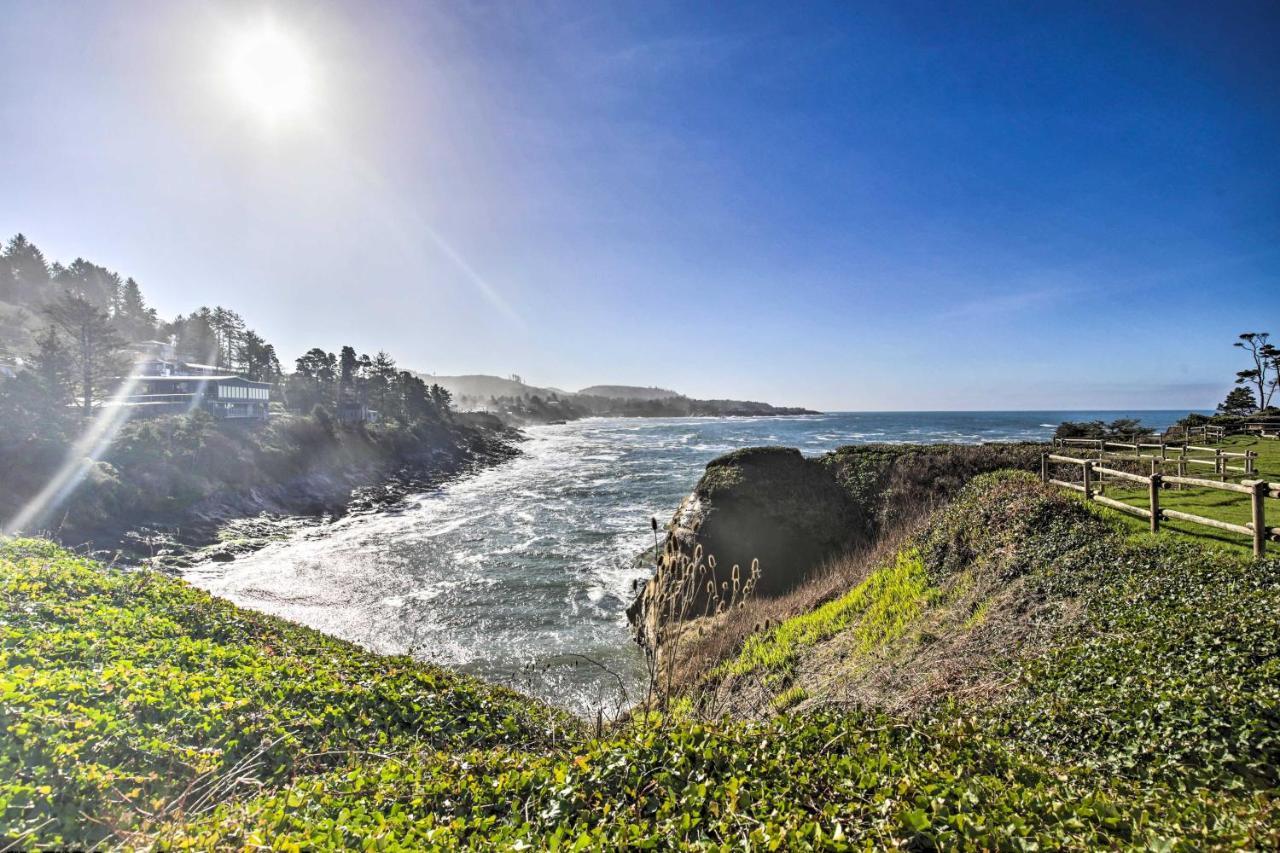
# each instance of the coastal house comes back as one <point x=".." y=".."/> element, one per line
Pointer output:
<point x="355" y="412"/>
<point x="225" y="397"/>
<point x="160" y="358"/>
<point x="155" y="358"/>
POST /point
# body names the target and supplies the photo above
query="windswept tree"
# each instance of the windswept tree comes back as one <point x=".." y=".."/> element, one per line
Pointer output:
<point x="313" y="381"/>
<point x="1264" y="376"/>
<point x="317" y="364"/>
<point x="1239" y="402"/>
<point x="94" y="345"/>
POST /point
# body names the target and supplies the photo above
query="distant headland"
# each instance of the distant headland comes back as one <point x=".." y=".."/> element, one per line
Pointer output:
<point x="516" y="402"/>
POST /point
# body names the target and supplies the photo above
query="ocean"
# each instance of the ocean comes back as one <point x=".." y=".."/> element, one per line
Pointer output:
<point x="521" y="574"/>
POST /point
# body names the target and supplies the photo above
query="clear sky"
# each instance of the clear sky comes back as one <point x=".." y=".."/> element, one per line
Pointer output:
<point x="845" y="206"/>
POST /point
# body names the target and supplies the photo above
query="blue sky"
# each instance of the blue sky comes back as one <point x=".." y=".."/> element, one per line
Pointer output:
<point x="846" y="206"/>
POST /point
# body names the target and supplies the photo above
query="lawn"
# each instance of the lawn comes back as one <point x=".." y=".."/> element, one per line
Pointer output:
<point x="1211" y="503"/>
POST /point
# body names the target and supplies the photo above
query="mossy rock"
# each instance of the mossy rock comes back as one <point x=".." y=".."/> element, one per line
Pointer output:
<point x="770" y="505"/>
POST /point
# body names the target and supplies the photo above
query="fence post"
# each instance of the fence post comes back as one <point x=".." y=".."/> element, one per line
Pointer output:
<point x="1219" y="467"/>
<point x="1088" y="480"/>
<point x="1155" y="502"/>
<point x="1044" y="467"/>
<point x="1259" y="518"/>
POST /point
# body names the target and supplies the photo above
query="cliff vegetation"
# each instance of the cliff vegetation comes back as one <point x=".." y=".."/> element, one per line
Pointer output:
<point x="1059" y="683"/>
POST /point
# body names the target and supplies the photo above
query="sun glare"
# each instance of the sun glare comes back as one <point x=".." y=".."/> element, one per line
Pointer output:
<point x="269" y="72"/>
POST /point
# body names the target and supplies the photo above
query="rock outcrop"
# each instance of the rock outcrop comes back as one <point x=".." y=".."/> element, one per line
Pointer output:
<point x="791" y="515"/>
<point x="767" y="506"/>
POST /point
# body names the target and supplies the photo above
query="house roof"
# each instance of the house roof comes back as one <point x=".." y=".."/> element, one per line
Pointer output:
<point x="205" y="379"/>
<point x="194" y="377"/>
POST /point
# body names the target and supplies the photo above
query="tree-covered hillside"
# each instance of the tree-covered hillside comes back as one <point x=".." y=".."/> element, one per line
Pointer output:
<point x="77" y="337"/>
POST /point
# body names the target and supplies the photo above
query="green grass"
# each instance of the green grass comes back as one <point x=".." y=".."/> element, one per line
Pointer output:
<point x="1219" y="505"/>
<point x="877" y="610"/>
<point x="119" y="689"/>
<point x="1150" y="724"/>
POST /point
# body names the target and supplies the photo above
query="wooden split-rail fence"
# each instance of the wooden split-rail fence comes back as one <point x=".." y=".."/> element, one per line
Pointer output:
<point x="1217" y="432"/>
<point x="1258" y="490"/>
<point x="1161" y="453"/>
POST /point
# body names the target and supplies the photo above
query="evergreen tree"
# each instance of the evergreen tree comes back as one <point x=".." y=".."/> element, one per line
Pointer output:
<point x="197" y="341"/>
<point x="1239" y="402"/>
<point x="1265" y="373"/>
<point x="98" y="286"/>
<point x="314" y="381"/>
<point x="228" y="327"/>
<point x="347" y="363"/>
<point x="441" y="399"/>
<point x="415" y="397"/>
<point x="257" y="358"/>
<point x="28" y="271"/>
<point x="134" y="319"/>
<point x="94" y="344"/>
<point x="382" y="380"/>
<point x="52" y="364"/>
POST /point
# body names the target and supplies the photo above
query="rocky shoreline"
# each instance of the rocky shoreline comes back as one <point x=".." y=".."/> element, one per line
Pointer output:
<point x="229" y="523"/>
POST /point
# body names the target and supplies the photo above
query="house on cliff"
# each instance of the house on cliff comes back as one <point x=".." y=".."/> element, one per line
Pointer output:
<point x="225" y="397"/>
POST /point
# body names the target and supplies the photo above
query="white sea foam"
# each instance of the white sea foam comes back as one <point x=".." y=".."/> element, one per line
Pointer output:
<point x="511" y="573"/>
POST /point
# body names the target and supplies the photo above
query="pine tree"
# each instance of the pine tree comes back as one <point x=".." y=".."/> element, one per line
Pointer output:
<point x="132" y="316"/>
<point x="228" y="327"/>
<point x="1240" y="401"/>
<point x="53" y="365"/>
<point x="94" y="343"/>
<point x="382" y="379"/>
<point x="98" y="286"/>
<point x="257" y="359"/>
<point x="28" y="271"/>
<point x="197" y="341"/>
<point x="1265" y="373"/>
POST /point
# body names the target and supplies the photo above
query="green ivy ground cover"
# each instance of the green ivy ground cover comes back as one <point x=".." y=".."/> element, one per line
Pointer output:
<point x="1152" y="724"/>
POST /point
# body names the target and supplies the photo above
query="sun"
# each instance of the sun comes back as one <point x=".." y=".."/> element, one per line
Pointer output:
<point x="269" y="72"/>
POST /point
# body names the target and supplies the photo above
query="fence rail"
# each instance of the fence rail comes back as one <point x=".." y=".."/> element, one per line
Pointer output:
<point x="1259" y="492"/>
<point x="1167" y="453"/>
<point x="1217" y="432"/>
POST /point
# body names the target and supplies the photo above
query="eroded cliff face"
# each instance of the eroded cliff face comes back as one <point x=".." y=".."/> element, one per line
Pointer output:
<point x="769" y="507"/>
<point x="790" y="515"/>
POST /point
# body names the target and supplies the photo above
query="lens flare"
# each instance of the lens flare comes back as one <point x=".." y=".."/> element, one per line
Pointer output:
<point x="81" y="459"/>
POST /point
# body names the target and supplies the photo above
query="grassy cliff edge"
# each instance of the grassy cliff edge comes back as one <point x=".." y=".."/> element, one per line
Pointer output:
<point x="1128" y="696"/>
